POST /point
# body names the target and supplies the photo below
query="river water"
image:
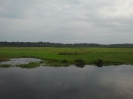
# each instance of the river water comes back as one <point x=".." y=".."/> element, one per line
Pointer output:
<point x="89" y="82"/>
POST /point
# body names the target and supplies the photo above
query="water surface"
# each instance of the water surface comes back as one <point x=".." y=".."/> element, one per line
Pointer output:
<point x="17" y="61"/>
<point x="90" y="82"/>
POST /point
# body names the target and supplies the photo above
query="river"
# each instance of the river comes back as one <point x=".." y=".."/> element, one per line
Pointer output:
<point x="89" y="82"/>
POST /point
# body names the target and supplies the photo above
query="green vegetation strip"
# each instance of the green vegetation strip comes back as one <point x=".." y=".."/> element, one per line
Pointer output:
<point x="5" y="65"/>
<point x="67" y="56"/>
<point x="30" y="65"/>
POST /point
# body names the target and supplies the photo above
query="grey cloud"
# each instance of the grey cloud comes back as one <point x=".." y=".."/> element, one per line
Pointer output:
<point x="17" y="9"/>
<point x="67" y="21"/>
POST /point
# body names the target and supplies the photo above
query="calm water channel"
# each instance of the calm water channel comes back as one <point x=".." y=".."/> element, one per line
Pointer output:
<point x="89" y="82"/>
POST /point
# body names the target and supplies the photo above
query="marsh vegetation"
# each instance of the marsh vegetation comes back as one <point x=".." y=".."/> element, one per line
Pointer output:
<point x="29" y="65"/>
<point x="66" y="56"/>
<point x="21" y="62"/>
<point x="63" y="73"/>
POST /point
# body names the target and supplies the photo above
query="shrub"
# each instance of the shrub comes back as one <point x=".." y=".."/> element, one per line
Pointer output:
<point x="64" y="61"/>
<point x="79" y="63"/>
<point x="67" y="53"/>
<point x="99" y="63"/>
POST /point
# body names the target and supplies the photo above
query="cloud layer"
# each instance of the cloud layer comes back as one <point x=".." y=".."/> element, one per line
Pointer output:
<point x="67" y="21"/>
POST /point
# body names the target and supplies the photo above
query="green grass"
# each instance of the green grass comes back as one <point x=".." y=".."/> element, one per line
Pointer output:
<point x="55" y="55"/>
<point x="5" y="65"/>
<point x="30" y="65"/>
<point x="56" y="64"/>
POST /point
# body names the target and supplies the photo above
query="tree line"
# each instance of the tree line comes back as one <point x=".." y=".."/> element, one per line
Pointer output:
<point x="50" y="44"/>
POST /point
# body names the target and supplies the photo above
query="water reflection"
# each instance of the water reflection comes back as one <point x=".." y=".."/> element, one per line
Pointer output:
<point x="80" y="65"/>
<point x="17" y="61"/>
<point x="90" y="82"/>
<point x="21" y="62"/>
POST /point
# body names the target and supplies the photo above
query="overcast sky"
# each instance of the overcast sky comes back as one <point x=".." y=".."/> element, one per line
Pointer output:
<point x="67" y="21"/>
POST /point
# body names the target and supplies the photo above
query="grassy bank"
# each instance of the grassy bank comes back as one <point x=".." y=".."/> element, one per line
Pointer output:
<point x="65" y="56"/>
<point x="30" y="65"/>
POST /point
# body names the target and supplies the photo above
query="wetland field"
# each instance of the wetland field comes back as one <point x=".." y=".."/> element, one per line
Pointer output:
<point x="73" y="55"/>
<point x="66" y="73"/>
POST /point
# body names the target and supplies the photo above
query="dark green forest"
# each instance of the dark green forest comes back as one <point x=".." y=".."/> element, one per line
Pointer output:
<point x="50" y="44"/>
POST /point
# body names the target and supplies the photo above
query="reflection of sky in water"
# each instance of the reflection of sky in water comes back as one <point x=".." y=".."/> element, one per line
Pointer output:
<point x="90" y="82"/>
<point x="16" y="61"/>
